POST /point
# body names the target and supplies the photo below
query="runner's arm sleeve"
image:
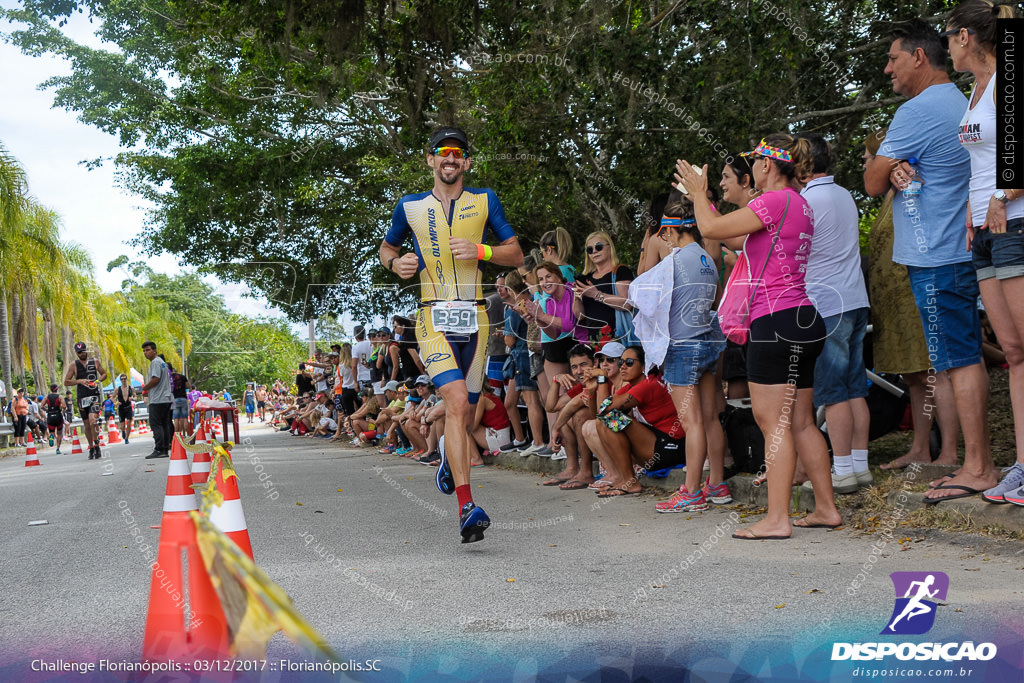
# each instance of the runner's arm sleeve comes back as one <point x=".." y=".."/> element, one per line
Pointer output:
<point x="399" y="229"/>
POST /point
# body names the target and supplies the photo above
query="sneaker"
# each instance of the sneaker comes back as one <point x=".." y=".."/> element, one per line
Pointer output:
<point x="717" y="494"/>
<point x="405" y="450"/>
<point x="864" y="478"/>
<point x="473" y="521"/>
<point x="445" y="482"/>
<point x="51" y="440"/>
<point x="544" y="452"/>
<point x="683" y="501"/>
<point x="1013" y="480"/>
<point x="126" y="441"/>
<point x="531" y="450"/>
<point x="513" y="446"/>
<point x="1015" y="497"/>
<point x="387" y="450"/>
<point x="58" y="452"/>
<point x="428" y="458"/>
<point x="559" y="454"/>
<point x="841" y="483"/>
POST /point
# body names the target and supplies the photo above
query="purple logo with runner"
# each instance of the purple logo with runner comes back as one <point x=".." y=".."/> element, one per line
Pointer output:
<point x="916" y="596"/>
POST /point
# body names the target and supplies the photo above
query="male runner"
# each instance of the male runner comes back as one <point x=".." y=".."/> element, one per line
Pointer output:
<point x="87" y="376"/>
<point x="449" y="227"/>
<point x="125" y="410"/>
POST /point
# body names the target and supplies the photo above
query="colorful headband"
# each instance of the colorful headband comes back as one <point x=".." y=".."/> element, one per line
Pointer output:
<point x="765" y="150"/>
<point x="689" y="222"/>
<point x="671" y="222"/>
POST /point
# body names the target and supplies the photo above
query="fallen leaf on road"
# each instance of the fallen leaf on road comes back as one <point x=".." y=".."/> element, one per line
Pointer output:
<point x="339" y="490"/>
<point x="550" y="545"/>
<point x="815" y="590"/>
<point x="320" y="511"/>
<point x="780" y="606"/>
<point x="975" y="569"/>
<point x="659" y="586"/>
<point x="625" y="525"/>
<point x="298" y="503"/>
<point x="510" y="580"/>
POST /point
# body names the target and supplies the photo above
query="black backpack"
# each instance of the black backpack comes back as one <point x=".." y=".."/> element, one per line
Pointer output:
<point x="746" y="442"/>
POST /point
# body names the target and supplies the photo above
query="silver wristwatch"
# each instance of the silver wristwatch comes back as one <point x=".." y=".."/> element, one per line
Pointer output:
<point x="1001" y="196"/>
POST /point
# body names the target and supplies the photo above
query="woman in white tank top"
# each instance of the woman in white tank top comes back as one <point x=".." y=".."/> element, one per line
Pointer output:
<point x="995" y="217"/>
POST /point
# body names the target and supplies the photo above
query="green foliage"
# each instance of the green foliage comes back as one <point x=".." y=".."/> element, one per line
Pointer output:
<point x="225" y="350"/>
<point x="275" y="138"/>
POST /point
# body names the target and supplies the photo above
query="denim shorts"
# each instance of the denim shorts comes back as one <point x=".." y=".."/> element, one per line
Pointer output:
<point x="999" y="256"/>
<point x="947" y="299"/>
<point x="180" y="410"/>
<point x="839" y="373"/>
<point x="521" y="367"/>
<point x="686" y="361"/>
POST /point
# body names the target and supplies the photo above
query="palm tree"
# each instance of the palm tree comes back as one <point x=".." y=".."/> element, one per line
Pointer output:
<point x="12" y="205"/>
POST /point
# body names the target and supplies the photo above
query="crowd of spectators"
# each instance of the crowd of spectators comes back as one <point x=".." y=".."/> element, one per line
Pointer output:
<point x="631" y="367"/>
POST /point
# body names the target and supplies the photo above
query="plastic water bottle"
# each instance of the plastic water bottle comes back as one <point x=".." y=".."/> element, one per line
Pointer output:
<point x="914" y="188"/>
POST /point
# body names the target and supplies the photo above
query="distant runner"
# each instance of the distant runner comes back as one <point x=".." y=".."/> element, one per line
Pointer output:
<point x="449" y="226"/>
<point x="87" y="376"/>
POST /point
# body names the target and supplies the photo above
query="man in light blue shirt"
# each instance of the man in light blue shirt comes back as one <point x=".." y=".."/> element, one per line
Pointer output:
<point x="931" y="236"/>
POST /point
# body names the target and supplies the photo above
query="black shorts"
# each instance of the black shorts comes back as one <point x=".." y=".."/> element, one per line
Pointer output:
<point x="54" y="423"/>
<point x="125" y="413"/>
<point x="349" y="401"/>
<point x="94" y="408"/>
<point x="558" y="351"/>
<point x="668" y="452"/>
<point x="734" y="362"/>
<point x="784" y="346"/>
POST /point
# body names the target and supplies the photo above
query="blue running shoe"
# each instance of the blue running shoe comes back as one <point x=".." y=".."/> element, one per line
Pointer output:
<point x="445" y="481"/>
<point x="474" y="520"/>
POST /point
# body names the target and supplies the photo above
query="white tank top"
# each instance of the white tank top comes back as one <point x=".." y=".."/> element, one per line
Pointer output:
<point x="978" y="136"/>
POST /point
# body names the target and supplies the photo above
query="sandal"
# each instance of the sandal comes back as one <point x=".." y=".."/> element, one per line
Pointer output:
<point x="573" y="485"/>
<point x="614" y="492"/>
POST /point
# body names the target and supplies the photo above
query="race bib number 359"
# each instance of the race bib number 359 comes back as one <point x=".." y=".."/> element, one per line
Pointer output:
<point x="456" y="317"/>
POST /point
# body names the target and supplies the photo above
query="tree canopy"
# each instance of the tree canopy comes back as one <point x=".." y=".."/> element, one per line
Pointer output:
<point x="275" y="138"/>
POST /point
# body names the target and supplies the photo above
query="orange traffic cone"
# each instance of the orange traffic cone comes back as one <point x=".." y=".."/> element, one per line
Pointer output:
<point x="32" y="460"/>
<point x="228" y="516"/>
<point x="113" y="435"/>
<point x="200" y="461"/>
<point x="167" y="636"/>
<point x="76" y="445"/>
<point x="143" y="428"/>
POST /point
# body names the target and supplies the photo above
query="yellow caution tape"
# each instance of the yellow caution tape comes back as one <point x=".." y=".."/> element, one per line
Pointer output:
<point x="255" y="606"/>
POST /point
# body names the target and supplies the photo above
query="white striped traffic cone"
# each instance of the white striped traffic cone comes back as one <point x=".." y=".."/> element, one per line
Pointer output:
<point x="113" y="435"/>
<point x="76" y="445"/>
<point x="31" y="459"/>
<point x="228" y="516"/>
<point x="178" y="496"/>
<point x="201" y="461"/>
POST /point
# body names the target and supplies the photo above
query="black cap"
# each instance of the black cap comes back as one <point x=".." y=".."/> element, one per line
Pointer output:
<point x="79" y="347"/>
<point x="448" y="133"/>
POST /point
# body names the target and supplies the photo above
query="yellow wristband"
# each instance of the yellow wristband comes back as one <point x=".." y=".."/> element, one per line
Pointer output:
<point x="483" y="252"/>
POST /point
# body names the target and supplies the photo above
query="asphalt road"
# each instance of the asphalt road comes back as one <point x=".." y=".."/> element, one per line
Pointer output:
<point x="564" y="584"/>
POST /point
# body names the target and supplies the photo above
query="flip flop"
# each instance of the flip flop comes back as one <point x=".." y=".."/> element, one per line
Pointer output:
<point x="554" y="481"/>
<point x="573" y="485"/>
<point x="942" y="480"/>
<point x="620" y="492"/>
<point x="968" y="492"/>
<point x="814" y="526"/>
<point x="755" y="537"/>
<point x="599" y="484"/>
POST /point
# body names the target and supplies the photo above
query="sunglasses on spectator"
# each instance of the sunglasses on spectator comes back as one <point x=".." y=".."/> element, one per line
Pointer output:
<point x="456" y="152"/>
<point x="628" y="362"/>
<point x="948" y="35"/>
<point x="596" y="247"/>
